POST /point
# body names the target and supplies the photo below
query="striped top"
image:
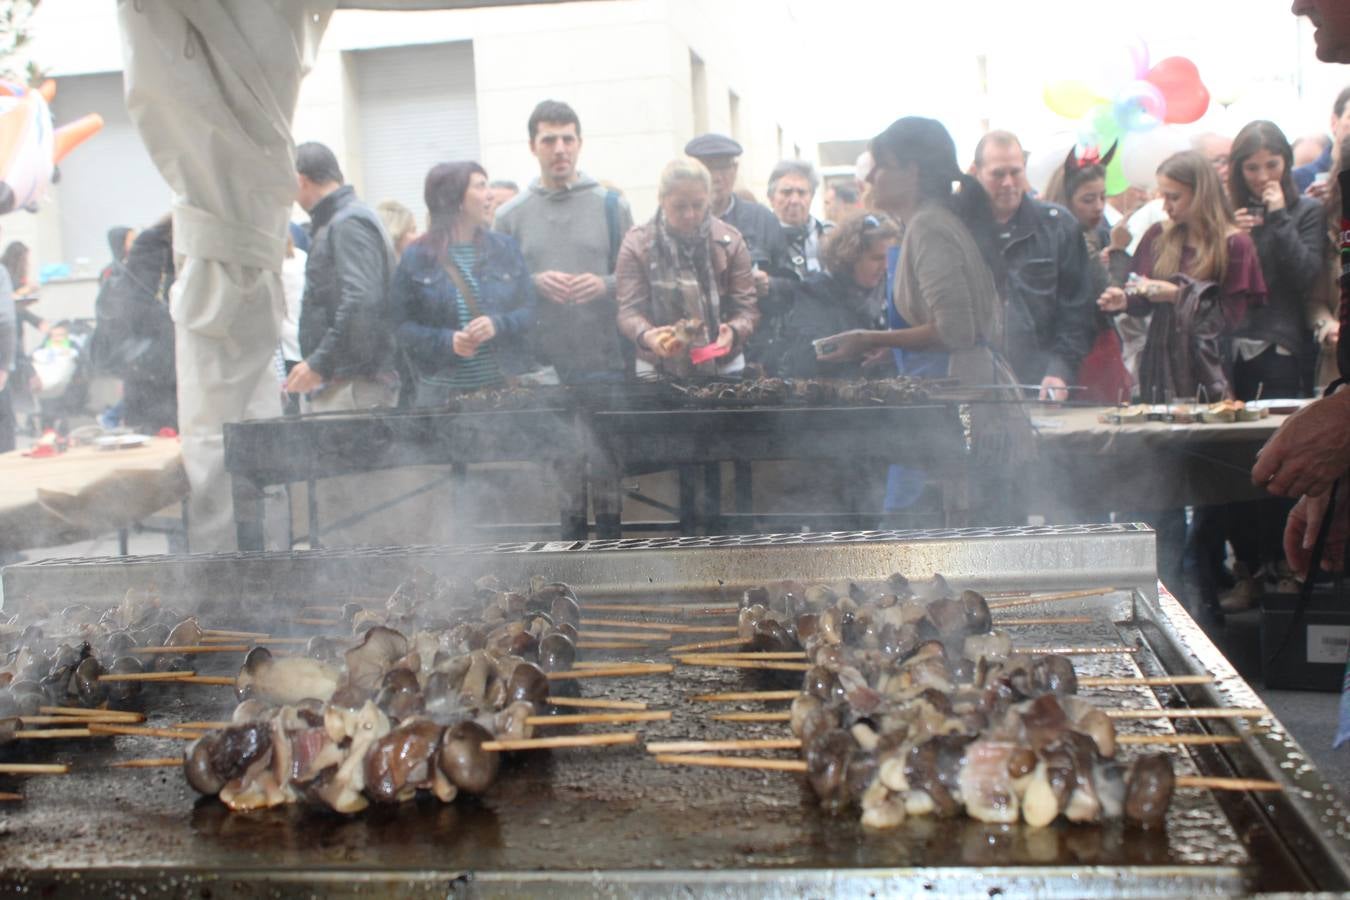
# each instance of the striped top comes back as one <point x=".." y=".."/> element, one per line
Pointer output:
<point x="483" y="369"/>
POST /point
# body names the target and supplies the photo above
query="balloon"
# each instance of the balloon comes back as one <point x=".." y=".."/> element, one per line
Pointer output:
<point x="33" y="147"/>
<point x="1139" y="106"/>
<point x="1138" y="50"/>
<point x="1116" y="182"/>
<point x="1179" y="82"/>
<point x="1142" y="152"/>
<point x="1048" y="157"/>
<point x="1070" y="99"/>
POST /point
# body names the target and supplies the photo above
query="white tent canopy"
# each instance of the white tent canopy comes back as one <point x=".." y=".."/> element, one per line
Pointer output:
<point x="212" y="88"/>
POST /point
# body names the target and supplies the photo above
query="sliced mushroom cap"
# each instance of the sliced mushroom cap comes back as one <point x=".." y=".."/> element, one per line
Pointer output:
<point x="768" y="635"/>
<point x="186" y="633"/>
<point x="238" y="747"/>
<point x="118" y="643"/>
<point x="402" y="761"/>
<point x="463" y="760"/>
<point x="528" y="684"/>
<point x="827" y="762"/>
<point x="368" y="661"/>
<point x="88" y="688"/>
<point x="198" y="766"/>
<point x="257" y="661"/>
<point x="557" y="652"/>
<point x="1148" y="790"/>
<point x="976" y="609"/>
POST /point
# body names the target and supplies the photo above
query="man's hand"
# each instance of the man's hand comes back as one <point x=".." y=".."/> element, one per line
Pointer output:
<point x="1319" y="190"/>
<point x="658" y="341"/>
<point x="303" y="379"/>
<point x="464" y="344"/>
<point x="481" y="330"/>
<point x="1309" y="452"/>
<point x="1054" y="389"/>
<point x="726" y="336"/>
<point x="845" y="346"/>
<point x="1300" y="532"/>
<point x="587" y="287"/>
<point x="761" y="282"/>
<point x="554" y="286"/>
<point x="878" y="359"/>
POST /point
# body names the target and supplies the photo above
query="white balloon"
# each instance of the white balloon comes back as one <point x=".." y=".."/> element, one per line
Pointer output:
<point x="1142" y="152"/>
<point x="1046" y="157"/>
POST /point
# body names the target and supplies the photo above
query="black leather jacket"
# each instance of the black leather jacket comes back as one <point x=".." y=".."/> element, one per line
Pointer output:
<point x="346" y="320"/>
<point x="1049" y="310"/>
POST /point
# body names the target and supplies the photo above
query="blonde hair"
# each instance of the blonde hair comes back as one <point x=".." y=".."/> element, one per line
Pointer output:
<point x="682" y="169"/>
<point x="1211" y="221"/>
<point x="398" y="220"/>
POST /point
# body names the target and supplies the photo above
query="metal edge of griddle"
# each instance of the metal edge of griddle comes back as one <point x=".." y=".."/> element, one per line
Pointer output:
<point x="1309" y="816"/>
<point x="992" y="881"/>
<point x="1039" y="558"/>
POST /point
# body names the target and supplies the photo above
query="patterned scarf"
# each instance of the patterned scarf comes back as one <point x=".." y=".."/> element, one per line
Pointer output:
<point x="684" y="286"/>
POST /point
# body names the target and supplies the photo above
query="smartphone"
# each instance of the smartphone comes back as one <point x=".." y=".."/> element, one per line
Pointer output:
<point x="1258" y="212"/>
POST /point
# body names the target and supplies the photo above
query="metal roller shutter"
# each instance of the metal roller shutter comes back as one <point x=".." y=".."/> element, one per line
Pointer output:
<point x="416" y="107"/>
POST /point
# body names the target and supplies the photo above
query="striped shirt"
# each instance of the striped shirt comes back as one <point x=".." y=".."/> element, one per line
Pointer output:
<point x="483" y="369"/>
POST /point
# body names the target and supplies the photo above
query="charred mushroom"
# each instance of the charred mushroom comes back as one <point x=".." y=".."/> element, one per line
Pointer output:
<point x="463" y="759"/>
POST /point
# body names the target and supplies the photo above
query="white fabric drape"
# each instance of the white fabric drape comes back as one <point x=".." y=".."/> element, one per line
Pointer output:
<point x="212" y="87"/>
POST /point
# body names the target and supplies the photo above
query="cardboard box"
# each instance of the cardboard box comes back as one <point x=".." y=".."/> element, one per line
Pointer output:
<point x="1314" y="657"/>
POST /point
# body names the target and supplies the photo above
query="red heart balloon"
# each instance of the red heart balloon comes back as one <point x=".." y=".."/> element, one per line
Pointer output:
<point x="1179" y="81"/>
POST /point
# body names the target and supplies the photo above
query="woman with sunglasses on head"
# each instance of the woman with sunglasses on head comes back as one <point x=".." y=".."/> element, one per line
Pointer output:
<point x="842" y="297"/>
<point x="462" y="295"/>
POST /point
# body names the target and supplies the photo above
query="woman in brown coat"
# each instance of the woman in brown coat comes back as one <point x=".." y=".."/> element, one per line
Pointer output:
<point x="684" y="283"/>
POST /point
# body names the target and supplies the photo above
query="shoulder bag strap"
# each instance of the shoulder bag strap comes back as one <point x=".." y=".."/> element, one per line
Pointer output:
<point x="462" y="285"/>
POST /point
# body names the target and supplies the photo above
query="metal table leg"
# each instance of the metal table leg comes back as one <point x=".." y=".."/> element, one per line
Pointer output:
<point x="250" y="530"/>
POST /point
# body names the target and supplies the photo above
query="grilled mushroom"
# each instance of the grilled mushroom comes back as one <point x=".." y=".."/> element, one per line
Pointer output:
<point x="88" y="688"/>
<point x="1148" y="790"/>
<point x="198" y="765"/>
<point x="557" y="652"/>
<point x="463" y="759"/>
<point x="367" y="662"/>
<point x="528" y="684"/>
<point x="827" y="764"/>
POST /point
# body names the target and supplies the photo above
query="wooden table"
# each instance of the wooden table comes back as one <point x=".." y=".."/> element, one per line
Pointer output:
<point x="85" y="492"/>
<point x="1090" y="467"/>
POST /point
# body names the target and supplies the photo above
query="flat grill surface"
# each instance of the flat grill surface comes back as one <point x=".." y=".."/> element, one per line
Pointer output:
<point x="557" y="819"/>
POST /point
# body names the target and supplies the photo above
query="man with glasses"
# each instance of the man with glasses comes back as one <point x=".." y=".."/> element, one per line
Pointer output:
<point x="1051" y="315"/>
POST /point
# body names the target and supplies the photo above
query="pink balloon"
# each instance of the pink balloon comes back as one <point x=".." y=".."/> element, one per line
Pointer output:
<point x="1178" y="79"/>
<point x="1138" y="49"/>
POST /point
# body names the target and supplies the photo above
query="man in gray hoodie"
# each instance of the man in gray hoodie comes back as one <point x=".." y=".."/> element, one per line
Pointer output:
<point x="569" y="228"/>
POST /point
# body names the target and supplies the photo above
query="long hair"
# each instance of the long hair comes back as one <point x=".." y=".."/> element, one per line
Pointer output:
<point x="444" y="192"/>
<point x="1211" y="220"/>
<point x="927" y="144"/>
<point x="15" y="261"/>
<point x="1256" y="136"/>
<point x="1069" y="178"/>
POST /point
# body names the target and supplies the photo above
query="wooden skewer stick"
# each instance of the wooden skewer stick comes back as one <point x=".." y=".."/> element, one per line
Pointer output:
<point x="224" y="680"/>
<point x="34" y="769"/>
<point x="598" y="703"/>
<point x="204" y="726"/>
<point x="566" y="740"/>
<point x="589" y="622"/>
<point x="226" y="633"/>
<point x="1034" y="599"/>
<point x="1179" y="739"/>
<point x="83" y="711"/>
<point x="1146" y="680"/>
<point x="186" y="649"/>
<point x="749" y="654"/>
<point x="149" y="676"/>
<point x="746" y="664"/>
<point x="1051" y="620"/>
<point x="1073" y="651"/>
<point x="1215" y="783"/>
<point x="637" y="636"/>
<point x="615" y="671"/>
<point x="719" y="746"/>
<point x="53" y="733"/>
<point x="753" y="717"/>
<point x="1198" y="712"/>
<point x="596" y="664"/>
<point x="584" y="644"/>
<point x="10" y="797"/>
<point x="736" y="696"/>
<point x="331" y="607"/>
<point x="211" y="640"/>
<point x="313" y="621"/>
<point x="732" y="762"/>
<point x="707" y="645"/>
<point x="662" y="715"/>
<point x="663" y="609"/>
<point x="80" y="720"/>
<point x="176" y="733"/>
<point x="156" y="762"/>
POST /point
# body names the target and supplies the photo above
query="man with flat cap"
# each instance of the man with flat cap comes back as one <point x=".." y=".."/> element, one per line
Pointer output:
<point x="756" y="223"/>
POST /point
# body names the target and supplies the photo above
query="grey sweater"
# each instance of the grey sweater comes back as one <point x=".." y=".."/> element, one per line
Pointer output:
<point x="566" y="230"/>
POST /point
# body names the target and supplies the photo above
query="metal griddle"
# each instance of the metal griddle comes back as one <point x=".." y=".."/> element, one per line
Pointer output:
<point x="614" y="822"/>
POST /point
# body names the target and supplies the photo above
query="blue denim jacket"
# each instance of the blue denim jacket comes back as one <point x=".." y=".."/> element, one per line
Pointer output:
<point x="426" y="304"/>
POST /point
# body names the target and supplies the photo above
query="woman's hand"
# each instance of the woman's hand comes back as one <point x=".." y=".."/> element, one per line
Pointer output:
<point x="481" y="329"/>
<point x="1245" y="220"/>
<point x="464" y="344"/>
<point x="845" y="346"/>
<point x="1159" y="291"/>
<point x="726" y="337"/>
<point x="1273" y="196"/>
<point x="1112" y="300"/>
<point x="1328" y="333"/>
<point x="661" y="341"/>
<point x="1120" y="236"/>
